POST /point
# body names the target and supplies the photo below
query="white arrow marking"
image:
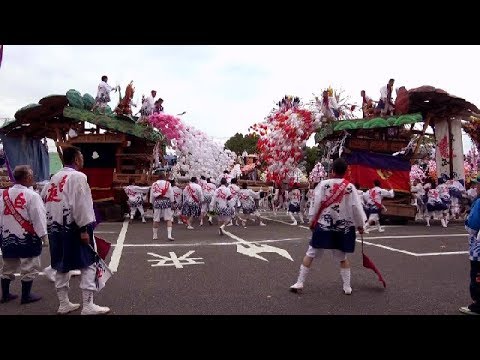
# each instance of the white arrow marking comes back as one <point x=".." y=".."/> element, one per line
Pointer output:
<point x="252" y="249"/>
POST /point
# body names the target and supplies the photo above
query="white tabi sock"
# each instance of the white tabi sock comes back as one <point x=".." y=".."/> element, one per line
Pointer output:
<point x="169" y="231"/>
<point x="155" y="233"/>
<point x="444" y="222"/>
<point x="345" y="273"/>
<point x="302" y="275"/>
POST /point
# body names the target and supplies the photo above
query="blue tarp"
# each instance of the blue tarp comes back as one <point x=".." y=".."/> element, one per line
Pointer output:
<point x="23" y="151"/>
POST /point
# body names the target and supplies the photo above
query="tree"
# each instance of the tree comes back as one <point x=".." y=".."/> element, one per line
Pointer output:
<point x="239" y="142"/>
<point x="312" y="156"/>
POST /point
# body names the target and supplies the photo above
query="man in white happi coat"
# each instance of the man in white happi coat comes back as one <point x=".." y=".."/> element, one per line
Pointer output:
<point x="386" y="104"/>
<point x="234" y="190"/>
<point x="192" y="202"/>
<point x="294" y="198"/>
<point x="70" y="220"/>
<point x="103" y="94"/>
<point x="149" y="105"/>
<point x="456" y="191"/>
<point x="136" y="196"/>
<point x="328" y="106"/>
<point x="177" y="201"/>
<point x="208" y="192"/>
<point x="221" y="205"/>
<point x="337" y="213"/>
<point x="444" y="192"/>
<point x="310" y="200"/>
<point x="162" y="199"/>
<point x="418" y="191"/>
<point x="226" y="175"/>
<point x="247" y="198"/>
<point x="373" y="204"/>
<point x="205" y="203"/>
<point x="437" y="204"/>
<point x="472" y="191"/>
<point x="23" y="230"/>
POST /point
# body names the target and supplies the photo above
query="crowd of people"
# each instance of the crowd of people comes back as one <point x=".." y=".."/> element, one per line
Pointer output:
<point x="201" y="199"/>
<point x="62" y="217"/>
<point x="443" y="199"/>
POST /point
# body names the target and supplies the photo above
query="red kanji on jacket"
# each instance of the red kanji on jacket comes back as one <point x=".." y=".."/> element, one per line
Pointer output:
<point x="19" y="203"/>
<point x="53" y="194"/>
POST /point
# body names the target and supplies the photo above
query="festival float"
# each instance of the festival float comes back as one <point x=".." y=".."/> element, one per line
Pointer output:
<point x="197" y="153"/>
<point x="116" y="148"/>
<point x="385" y="148"/>
<point x="284" y="132"/>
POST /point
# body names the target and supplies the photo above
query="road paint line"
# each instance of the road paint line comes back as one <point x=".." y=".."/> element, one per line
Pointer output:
<point x="387" y="247"/>
<point x="210" y="244"/>
<point x="117" y="252"/>
<point x="280" y="221"/>
<point x="443" y="253"/>
<point x="109" y="223"/>
<point x="382" y="237"/>
<point x="414" y="236"/>
<point x="18" y="274"/>
<point x="397" y="237"/>
<point x="413" y="253"/>
<point x="106" y="232"/>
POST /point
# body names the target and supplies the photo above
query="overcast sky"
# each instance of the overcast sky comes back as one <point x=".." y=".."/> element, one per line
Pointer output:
<point x="225" y="89"/>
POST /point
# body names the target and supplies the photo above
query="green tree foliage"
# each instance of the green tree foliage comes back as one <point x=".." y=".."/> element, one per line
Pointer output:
<point x="312" y="155"/>
<point x="239" y="142"/>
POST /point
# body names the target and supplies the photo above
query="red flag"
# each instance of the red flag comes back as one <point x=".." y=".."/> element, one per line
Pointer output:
<point x="370" y="265"/>
<point x="103" y="247"/>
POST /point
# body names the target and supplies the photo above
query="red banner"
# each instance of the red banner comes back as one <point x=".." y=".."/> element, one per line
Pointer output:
<point x="364" y="176"/>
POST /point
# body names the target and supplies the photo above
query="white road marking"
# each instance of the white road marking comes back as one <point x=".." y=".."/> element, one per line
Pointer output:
<point x="106" y="232"/>
<point x="280" y="221"/>
<point x="172" y="244"/>
<point x="398" y="237"/>
<point x="41" y="273"/>
<point x="117" y="252"/>
<point x="387" y="247"/>
<point x="414" y="236"/>
<point x="252" y="249"/>
<point x="176" y="261"/>
<point x="410" y="252"/>
<point x="443" y="253"/>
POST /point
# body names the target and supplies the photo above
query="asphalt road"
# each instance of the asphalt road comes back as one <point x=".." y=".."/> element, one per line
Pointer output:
<point x="249" y="271"/>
